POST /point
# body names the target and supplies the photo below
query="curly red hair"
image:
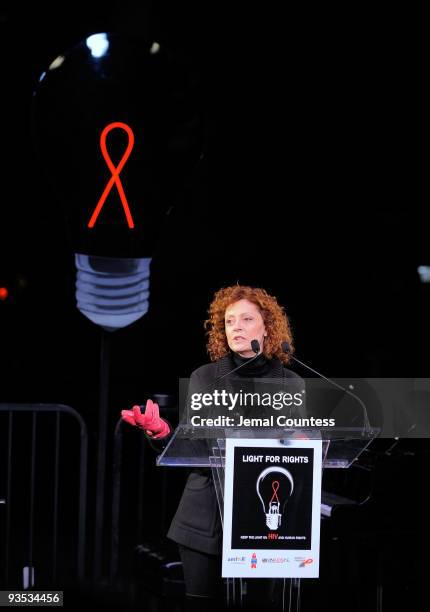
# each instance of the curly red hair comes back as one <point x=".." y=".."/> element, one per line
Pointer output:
<point x="275" y="320"/>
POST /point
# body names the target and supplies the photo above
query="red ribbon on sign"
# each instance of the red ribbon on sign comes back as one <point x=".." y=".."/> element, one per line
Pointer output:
<point x="275" y="487"/>
<point x="115" y="172"/>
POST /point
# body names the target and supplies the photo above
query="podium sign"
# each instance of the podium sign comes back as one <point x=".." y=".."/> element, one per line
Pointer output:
<point x="272" y="502"/>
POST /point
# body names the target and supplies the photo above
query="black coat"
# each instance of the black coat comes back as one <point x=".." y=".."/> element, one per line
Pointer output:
<point x="197" y="522"/>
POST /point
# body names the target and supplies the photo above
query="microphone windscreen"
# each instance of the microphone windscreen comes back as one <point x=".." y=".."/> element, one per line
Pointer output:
<point x="286" y="347"/>
<point x="255" y="345"/>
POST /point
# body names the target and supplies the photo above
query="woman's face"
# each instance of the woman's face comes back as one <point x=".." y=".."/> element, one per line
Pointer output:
<point x="243" y="323"/>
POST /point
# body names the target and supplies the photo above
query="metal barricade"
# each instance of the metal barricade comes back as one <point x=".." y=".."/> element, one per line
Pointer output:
<point x="43" y="496"/>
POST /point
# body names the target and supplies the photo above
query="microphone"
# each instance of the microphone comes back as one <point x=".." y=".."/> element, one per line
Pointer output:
<point x="286" y="348"/>
<point x="255" y="345"/>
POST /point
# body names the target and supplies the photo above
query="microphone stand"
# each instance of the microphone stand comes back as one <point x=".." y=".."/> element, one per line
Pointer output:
<point x="367" y="426"/>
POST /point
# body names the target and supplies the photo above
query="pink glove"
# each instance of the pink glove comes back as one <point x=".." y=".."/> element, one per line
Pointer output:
<point x="150" y="420"/>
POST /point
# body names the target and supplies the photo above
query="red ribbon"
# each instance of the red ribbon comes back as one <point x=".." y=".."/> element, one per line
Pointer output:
<point x="115" y="173"/>
<point x="275" y="487"/>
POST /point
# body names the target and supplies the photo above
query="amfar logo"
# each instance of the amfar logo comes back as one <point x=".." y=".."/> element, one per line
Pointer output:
<point x="254" y="561"/>
<point x="236" y="560"/>
<point x="303" y="562"/>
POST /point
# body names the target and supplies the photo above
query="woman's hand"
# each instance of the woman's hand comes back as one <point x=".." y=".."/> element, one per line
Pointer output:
<point x="150" y="420"/>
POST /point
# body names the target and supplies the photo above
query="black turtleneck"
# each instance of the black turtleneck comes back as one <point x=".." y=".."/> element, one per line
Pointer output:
<point x="256" y="368"/>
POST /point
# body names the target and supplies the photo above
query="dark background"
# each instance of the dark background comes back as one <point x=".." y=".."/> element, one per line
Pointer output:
<point x="313" y="186"/>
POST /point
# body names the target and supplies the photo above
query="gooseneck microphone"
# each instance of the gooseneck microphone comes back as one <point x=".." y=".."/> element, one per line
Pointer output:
<point x="255" y="345"/>
<point x="287" y="349"/>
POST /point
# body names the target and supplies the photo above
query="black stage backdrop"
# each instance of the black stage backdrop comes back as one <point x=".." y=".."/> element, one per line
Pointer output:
<point x="312" y="186"/>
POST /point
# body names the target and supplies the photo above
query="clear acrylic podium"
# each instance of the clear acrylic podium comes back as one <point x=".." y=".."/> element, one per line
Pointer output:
<point x="340" y="448"/>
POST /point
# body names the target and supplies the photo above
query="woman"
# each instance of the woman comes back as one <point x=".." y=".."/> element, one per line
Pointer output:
<point x="238" y="315"/>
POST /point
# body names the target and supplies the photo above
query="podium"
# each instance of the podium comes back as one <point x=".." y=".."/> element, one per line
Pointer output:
<point x="340" y="448"/>
<point x="342" y="442"/>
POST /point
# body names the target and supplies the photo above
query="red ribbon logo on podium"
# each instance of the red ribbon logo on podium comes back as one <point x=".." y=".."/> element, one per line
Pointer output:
<point x="114" y="180"/>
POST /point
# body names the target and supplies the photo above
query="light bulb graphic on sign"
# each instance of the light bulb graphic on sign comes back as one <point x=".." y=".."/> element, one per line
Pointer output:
<point x="274" y="486"/>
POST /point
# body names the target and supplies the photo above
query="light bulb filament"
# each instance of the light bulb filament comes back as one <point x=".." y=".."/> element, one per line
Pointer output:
<point x="115" y="173"/>
<point x="275" y="487"/>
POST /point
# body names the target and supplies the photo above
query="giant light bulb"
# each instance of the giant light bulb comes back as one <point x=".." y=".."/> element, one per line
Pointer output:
<point x="274" y="486"/>
<point x="118" y="133"/>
